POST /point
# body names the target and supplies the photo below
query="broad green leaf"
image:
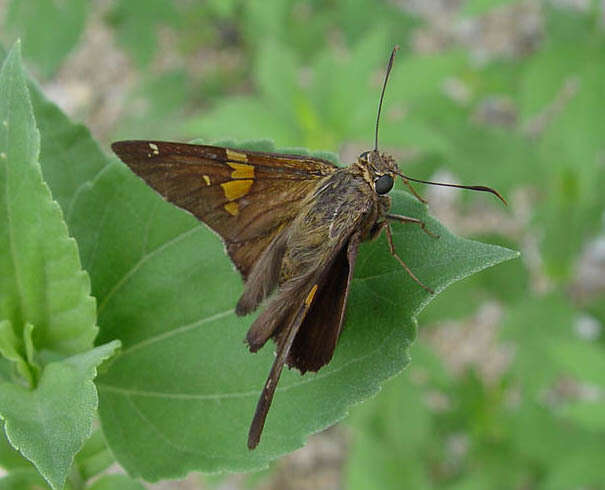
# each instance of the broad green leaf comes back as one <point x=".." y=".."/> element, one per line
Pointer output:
<point x="49" y="424"/>
<point x="36" y="22"/>
<point x="169" y="296"/>
<point x="41" y="280"/>
<point x="69" y="157"/>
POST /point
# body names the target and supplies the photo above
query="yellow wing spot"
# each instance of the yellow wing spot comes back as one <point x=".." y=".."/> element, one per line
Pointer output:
<point x="232" y="208"/>
<point x="154" y="148"/>
<point x="234" y="189"/>
<point x="5" y="123"/>
<point x="241" y="170"/>
<point x="236" y="155"/>
<point x="207" y="179"/>
<point x="3" y="155"/>
<point x="311" y="295"/>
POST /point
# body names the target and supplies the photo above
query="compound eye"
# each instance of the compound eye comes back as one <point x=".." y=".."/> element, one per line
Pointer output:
<point x="383" y="184"/>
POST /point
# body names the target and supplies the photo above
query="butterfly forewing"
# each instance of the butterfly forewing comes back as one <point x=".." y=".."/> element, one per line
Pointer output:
<point x="247" y="197"/>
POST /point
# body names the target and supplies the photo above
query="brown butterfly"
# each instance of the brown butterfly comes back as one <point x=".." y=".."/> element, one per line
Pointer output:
<point x="292" y="225"/>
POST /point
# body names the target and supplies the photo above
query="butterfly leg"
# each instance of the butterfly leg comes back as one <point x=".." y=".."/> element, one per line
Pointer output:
<point x="403" y="264"/>
<point x="408" y="219"/>
<point x="416" y="195"/>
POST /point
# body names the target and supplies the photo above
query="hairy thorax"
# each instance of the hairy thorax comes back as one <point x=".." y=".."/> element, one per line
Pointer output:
<point x="341" y="203"/>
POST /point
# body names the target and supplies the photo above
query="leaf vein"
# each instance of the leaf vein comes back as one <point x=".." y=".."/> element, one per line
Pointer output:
<point x="145" y="258"/>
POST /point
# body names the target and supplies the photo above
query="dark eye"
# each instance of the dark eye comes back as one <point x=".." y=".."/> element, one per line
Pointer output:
<point x="383" y="184"/>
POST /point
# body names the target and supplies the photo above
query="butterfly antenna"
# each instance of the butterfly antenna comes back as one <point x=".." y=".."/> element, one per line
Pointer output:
<point x="384" y="85"/>
<point x="480" y="188"/>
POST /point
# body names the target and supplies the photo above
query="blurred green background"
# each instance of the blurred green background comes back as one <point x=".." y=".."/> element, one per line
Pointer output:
<point x="506" y="389"/>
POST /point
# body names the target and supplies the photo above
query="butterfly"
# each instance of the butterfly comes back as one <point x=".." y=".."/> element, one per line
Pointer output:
<point x="292" y="225"/>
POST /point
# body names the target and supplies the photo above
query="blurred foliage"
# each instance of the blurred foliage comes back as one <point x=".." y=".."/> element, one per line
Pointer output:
<point x="49" y="29"/>
<point x="308" y="73"/>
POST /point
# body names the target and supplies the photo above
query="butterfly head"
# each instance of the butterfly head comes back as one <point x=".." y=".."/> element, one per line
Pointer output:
<point x="379" y="170"/>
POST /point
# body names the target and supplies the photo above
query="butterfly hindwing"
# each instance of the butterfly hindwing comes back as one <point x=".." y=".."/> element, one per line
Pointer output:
<point x="316" y="340"/>
<point x="247" y="197"/>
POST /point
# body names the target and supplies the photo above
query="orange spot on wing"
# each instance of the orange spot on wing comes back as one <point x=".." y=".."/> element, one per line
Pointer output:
<point x="236" y="155"/>
<point x="232" y="208"/>
<point x="234" y="189"/>
<point x="241" y="170"/>
<point x="311" y="295"/>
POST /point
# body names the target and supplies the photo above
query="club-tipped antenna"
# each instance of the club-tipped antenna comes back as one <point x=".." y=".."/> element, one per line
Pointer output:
<point x="384" y="85"/>
<point x="480" y="188"/>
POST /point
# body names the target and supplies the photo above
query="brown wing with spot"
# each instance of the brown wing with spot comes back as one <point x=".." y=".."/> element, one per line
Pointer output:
<point x="245" y="196"/>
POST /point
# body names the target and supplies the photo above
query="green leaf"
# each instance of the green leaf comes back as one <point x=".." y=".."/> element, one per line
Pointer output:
<point x="10" y="347"/>
<point x="36" y="22"/>
<point x="116" y="482"/>
<point x="70" y="158"/>
<point x="10" y="459"/>
<point x="40" y="275"/>
<point x="50" y="423"/>
<point x="94" y="457"/>
<point x="23" y="479"/>
<point x="172" y="306"/>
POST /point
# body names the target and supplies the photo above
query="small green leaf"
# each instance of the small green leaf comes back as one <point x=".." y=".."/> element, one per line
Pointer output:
<point x="94" y="457"/>
<point x="41" y="280"/>
<point x="49" y="424"/>
<point x="10" y="347"/>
